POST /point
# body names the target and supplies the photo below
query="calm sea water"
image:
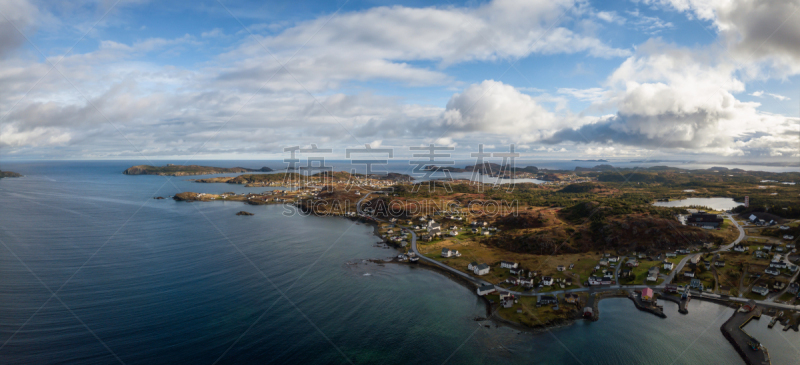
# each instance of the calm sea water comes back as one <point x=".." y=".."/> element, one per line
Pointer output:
<point x="144" y="281"/>
<point x="713" y="203"/>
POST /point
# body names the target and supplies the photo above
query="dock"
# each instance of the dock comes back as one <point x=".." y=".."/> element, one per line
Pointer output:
<point x="749" y="348"/>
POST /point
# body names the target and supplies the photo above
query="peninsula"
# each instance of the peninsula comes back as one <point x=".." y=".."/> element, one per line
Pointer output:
<point x="544" y="254"/>
<point x="9" y="174"/>
<point x="187" y="170"/>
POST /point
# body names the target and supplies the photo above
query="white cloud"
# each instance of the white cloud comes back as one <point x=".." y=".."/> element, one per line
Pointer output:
<point x="680" y="99"/>
<point x="761" y="93"/>
<point x="754" y="30"/>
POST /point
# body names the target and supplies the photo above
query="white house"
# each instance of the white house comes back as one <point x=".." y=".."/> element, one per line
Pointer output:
<point x="509" y="265"/>
<point x="772" y="271"/>
<point x="671" y="254"/>
<point x="788" y="237"/>
<point x="472" y="266"/>
<point x="613" y="259"/>
<point x="481" y="269"/>
<point x="547" y="280"/>
<point x="446" y="252"/>
<point x="740" y="248"/>
<point x="688" y="274"/>
<point x="668" y="265"/>
<point x="486" y="289"/>
<point x="760" y="290"/>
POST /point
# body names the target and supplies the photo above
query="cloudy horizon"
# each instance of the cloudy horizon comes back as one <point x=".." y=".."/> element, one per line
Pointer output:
<point x="560" y="79"/>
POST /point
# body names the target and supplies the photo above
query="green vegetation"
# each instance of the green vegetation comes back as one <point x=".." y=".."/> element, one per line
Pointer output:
<point x="182" y="170"/>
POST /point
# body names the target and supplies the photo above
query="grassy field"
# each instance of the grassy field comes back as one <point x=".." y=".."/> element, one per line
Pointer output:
<point x="532" y="316"/>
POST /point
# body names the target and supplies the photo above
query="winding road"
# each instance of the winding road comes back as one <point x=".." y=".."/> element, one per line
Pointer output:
<point x="590" y="289"/>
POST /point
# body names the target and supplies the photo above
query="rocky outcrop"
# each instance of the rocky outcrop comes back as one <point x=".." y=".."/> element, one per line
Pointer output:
<point x="186" y="196"/>
<point x="244" y="213"/>
<point x="9" y="174"/>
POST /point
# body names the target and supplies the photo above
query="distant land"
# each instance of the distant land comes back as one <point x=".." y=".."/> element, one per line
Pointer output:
<point x="755" y="163"/>
<point x="9" y="174"/>
<point x="188" y="170"/>
<point x="590" y="160"/>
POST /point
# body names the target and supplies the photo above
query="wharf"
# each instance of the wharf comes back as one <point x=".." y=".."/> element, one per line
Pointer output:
<point x="733" y="330"/>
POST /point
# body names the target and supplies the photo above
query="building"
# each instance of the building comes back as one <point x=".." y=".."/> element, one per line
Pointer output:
<point x="472" y="266"/>
<point x="560" y="268"/>
<point x="632" y="263"/>
<point x="671" y="254"/>
<point x="509" y="265"/>
<point x="778" y="265"/>
<point x="572" y="298"/>
<point x="486" y="289"/>
<point x="788" y="237"/>
<point x="446" y="252"/>
<point x="696" y="284"/>
<point x="719" y="263"/>
<point x="668" y="265"/>
<point x="547" y="280"/>
<point x="671" y="288"/>
<point x="794" y="288"/>
<point x="603" y="262"/>
<point x="751" y="304"/>
<point x="740" y="248"/>
<point x="588" y="312"/>
<point x="481" y="269"/>
<point x="772" y="271"/>
<point x="688" y="274"/>
<point x="704" y="220"/>
<point x="647" y="294"/>
<point x="546" y="299"/>
<point x="613" y="259"/>
<point x="760" y="290"/>
<point x="625" y="273"/>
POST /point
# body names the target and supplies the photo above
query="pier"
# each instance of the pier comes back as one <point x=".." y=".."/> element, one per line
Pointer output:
<point x="751" y="351"/>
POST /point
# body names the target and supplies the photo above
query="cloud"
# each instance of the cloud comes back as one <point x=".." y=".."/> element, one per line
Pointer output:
<point x="394" y="43"/>
<point x="753" y="30"/>
<point x="761" y="93"/>
<point x="16" y="16"/>
<point x="610" y="17"/>
<point x="648" y="24"/>
<point x="668" y="97"/>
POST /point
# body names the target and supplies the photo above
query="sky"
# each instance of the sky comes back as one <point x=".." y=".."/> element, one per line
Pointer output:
<point x="705" y="80"/>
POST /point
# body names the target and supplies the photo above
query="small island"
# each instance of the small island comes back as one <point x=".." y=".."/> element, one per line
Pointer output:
<point x="9" y="174"/>
<point x="241" y="212"/>
<point x="187" y="170"/>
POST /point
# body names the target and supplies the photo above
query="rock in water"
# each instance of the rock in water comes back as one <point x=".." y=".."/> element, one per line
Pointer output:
<point x="244" y="213"/>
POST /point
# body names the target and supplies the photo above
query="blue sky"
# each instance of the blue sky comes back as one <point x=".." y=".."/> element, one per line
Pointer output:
<point x="705" y="80"/>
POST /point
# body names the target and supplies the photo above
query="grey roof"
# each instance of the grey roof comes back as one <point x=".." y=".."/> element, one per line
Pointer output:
<point x="483" y="266"/>
<point x="486" y="287"/>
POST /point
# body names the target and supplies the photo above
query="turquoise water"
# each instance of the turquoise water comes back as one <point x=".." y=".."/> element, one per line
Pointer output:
<point x="162" y="282"/>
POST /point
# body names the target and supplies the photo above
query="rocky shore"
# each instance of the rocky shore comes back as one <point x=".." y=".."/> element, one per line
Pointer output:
<point x="9" y="174"/>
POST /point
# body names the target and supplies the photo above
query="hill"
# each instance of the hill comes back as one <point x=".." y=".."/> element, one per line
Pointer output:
<point x="187" y="170"/>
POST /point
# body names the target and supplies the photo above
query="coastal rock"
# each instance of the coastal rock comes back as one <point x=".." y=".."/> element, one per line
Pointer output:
<point x="186" y="196"/>
<point x="159" y="197"/>
<point x="244" y="213"/>
<point x="9" y="174"/>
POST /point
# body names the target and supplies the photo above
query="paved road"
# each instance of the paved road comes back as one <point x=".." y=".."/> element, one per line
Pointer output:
<point x="794" y="277"/>
<point x="594" y="289"/>
<point x="741" y="235"/>
<point x="423" y="257"/>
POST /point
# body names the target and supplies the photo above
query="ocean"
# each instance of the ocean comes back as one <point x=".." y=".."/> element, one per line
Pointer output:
<point x="93" y="270"/>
